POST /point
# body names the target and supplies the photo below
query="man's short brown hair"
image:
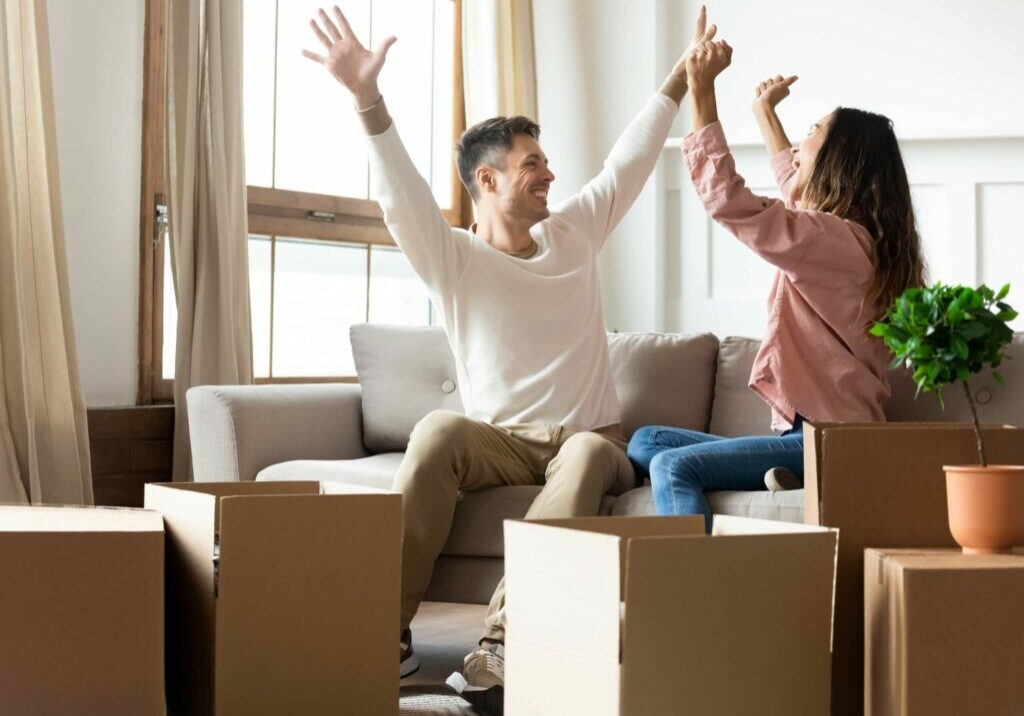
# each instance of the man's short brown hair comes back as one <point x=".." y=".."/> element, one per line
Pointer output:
<point x="479" y="144"/>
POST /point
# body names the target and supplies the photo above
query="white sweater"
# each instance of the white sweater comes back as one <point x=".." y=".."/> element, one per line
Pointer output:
<point x="528" y="334"/>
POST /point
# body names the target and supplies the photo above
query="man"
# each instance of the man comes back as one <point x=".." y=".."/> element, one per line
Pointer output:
<point x="521" y="300"/>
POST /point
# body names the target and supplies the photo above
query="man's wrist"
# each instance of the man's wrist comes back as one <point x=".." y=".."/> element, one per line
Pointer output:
<point x="375" y="118"/>
<point x="366" y="99"/>
<point x="674" y="87"/>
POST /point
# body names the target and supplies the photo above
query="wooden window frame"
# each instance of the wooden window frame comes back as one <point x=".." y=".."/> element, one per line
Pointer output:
<point x="277" y="213"/>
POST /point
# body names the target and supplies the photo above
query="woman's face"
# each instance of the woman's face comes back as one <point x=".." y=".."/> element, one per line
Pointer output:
<point x="805" y="155"/>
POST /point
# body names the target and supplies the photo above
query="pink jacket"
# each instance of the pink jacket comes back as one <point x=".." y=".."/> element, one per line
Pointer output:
<point x="816" y="358"/>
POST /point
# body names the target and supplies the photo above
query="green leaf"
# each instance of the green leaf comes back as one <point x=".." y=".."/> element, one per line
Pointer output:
<point x="959" y="346"/>
<point x="1002" y="292"/>
<point x="998" y="377"/>
<point x="880" y="330"/>
<point x="972" y="329"/>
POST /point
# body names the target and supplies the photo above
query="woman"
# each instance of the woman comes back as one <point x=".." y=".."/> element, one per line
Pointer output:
<point x="845" y="246"/>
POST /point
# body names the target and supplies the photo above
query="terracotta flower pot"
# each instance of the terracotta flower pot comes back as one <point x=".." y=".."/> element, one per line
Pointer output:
<point x="986" y="506"/>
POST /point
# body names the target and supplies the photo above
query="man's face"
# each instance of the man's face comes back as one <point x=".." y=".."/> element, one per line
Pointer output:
<point x="521" y="188"/>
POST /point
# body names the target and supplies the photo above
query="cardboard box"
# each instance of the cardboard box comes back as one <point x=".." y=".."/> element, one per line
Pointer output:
<point x="648" y="615"/>
<point x="944" y="633"/>
<point x="302" y="614"/>
<point x="81" y="612"/>
<point x="883" y="484"/>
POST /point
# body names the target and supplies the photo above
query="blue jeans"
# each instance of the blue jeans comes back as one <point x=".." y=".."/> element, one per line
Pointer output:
<point x="683" y="464"/>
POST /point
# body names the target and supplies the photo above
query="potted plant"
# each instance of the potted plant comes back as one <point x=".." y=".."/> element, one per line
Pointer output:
<point x="944" y="335"/>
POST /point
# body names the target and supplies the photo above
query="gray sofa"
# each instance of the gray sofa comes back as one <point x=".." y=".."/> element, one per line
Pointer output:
<point x="357" y="433"/>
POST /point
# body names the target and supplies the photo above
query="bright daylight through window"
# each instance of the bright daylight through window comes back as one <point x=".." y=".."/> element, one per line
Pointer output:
<point x="304" y="147"/>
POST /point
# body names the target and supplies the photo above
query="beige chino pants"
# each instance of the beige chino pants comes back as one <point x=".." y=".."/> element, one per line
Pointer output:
<point x="449" y="453"/>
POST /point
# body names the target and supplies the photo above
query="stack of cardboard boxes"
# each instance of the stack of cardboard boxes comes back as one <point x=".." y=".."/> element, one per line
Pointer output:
<point x="279" y="599"/>
<point x="270" y="598"/>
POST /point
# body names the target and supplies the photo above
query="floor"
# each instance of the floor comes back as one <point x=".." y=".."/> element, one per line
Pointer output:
<point x="441" y="634"/>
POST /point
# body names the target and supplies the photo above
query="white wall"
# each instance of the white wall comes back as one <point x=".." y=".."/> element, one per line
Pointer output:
<point x="596" y="67"/>
<point x="96" y="51"/>
<point x="947" y="73"/>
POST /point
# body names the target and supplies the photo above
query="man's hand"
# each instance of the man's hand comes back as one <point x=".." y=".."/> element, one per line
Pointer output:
<point x="706" y="62"/>
<point x="772" y="91"/>
<point x="675" y="84"/>
<point x="347" y="60"/>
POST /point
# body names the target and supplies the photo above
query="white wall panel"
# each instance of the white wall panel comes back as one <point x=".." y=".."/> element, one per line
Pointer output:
<point x="1001" y="240"/>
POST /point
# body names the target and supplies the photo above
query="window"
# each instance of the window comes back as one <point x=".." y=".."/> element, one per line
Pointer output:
<point x="320" y="258"/>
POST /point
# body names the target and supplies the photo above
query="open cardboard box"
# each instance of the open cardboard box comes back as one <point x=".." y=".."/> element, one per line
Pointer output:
<point x="302" y="613"/>
<point x="81" y="611"/>
<point x="944" y="633"/>
<point x="648" y="615"/>
<point x="882" y="485"/>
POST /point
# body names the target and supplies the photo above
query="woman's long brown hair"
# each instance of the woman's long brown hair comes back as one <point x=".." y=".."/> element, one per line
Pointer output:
<point x="859" y="176"/>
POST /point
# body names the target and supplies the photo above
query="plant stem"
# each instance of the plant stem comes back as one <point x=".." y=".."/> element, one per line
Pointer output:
<point x="977" y="427"/>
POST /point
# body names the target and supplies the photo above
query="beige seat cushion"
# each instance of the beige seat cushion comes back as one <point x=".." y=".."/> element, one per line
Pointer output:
<point x="763" y="505"/>
<point x="375" y="471"/>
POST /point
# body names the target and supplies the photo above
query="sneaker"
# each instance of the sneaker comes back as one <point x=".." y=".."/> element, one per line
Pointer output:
<point x="779" y="479"/>
<point x="482" y="681"/>
<point x="407" y="661"/>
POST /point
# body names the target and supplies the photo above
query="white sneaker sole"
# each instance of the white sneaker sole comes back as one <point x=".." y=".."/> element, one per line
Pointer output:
<point x="408" y="666"/>
<point x="489" y="700"/>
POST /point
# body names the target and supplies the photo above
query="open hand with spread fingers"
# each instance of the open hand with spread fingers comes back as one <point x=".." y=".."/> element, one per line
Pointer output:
<point x="707" y="61"/>
<point x="773" y="90"/>
<point x="347" y="60"/>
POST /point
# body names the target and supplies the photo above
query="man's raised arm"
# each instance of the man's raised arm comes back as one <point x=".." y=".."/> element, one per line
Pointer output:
<point x="606" y="198"/>
<point x="436" y="253"/>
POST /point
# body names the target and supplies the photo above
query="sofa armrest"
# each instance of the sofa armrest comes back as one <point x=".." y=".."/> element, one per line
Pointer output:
<point x="237" y="430"/>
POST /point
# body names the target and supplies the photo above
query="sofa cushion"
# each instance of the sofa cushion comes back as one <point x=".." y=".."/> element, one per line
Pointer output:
<point x="764" y="505"/>
<point x="737" y="410"/>
<point x="374" y="471"/>
<point x="405" y="372"/>
<point x="663" y="378"/>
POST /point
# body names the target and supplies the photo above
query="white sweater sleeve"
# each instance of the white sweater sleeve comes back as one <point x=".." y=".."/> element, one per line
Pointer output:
<point x="606" y="198"/>
<point x="438" y="253"/>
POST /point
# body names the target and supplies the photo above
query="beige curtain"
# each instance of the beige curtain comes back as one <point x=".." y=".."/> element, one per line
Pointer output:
<point x="44" y="443"/>
<point x="498" y="59"/>
<point x="206" y="195"/>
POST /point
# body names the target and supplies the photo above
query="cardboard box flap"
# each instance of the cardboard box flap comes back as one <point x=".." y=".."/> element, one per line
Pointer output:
<point x="632" y="526"/>
<point x="223" y="489"/>
<point x="345" y="488"/>
<point x="286" y="562"/>
<point x="568" y="601"/>
<point x="716" y="589"/>
<point x="190" y="522"/>
<point x="730" y="525"/>
<point x="78" y="519"/>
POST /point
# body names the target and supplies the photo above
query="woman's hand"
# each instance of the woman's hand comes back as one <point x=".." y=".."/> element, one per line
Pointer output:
<point x="705" y="62"/>
<point x="347" y="60"/>
<point x="772" y="91"/>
